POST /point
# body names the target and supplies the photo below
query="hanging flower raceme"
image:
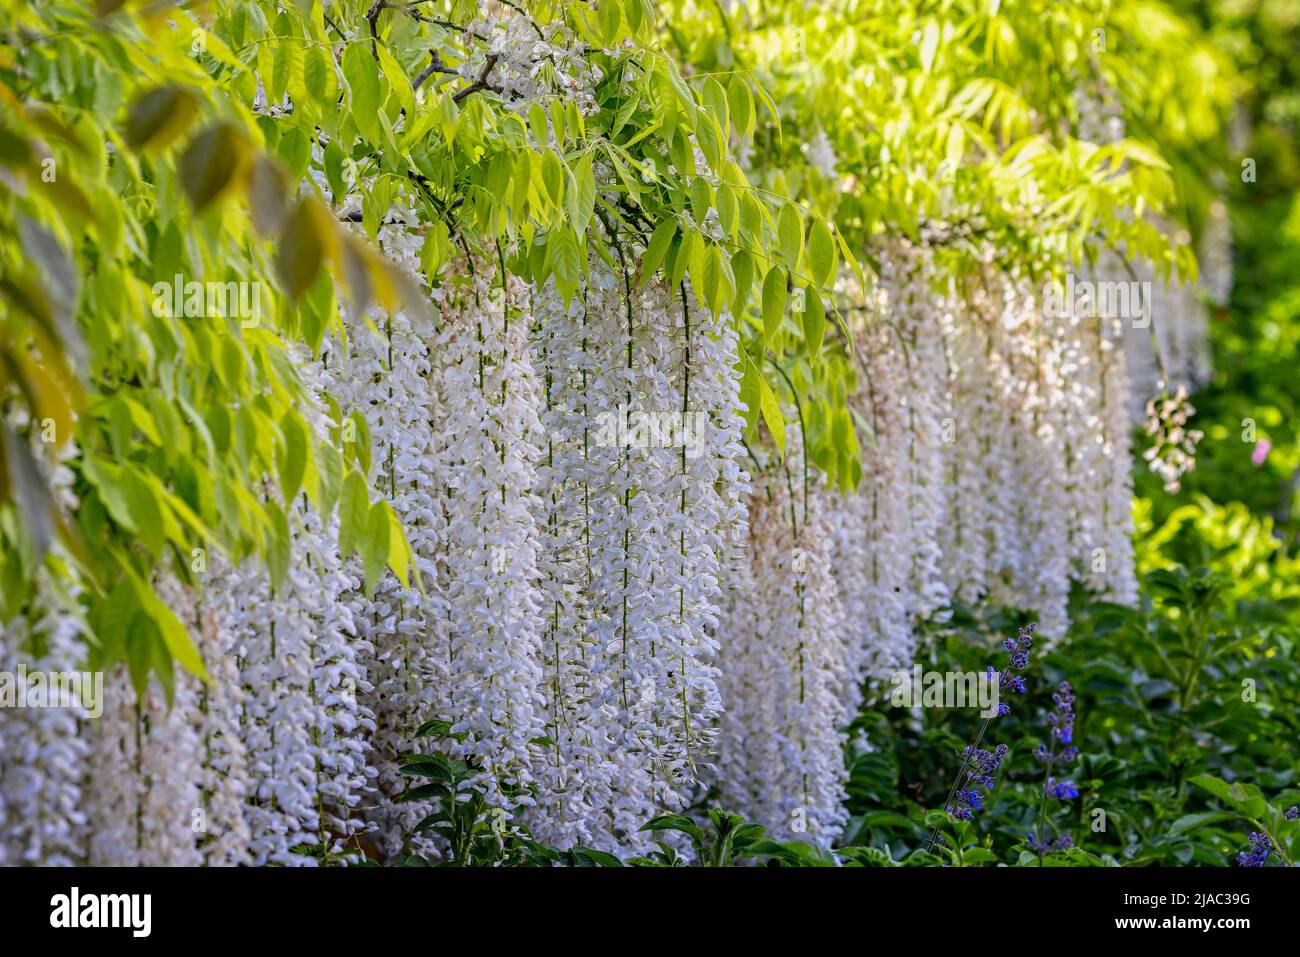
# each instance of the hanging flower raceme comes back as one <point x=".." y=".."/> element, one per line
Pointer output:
<point x="1042" y="568"/>
<point x="142" y="808"/>
<point x="644" y="500"/>
<point x="907" y="305"/>
<point x="575" y="770"/>
<point x="690" y="483"/>
<point x="1215" y="254"/>
<point x="301" y="671"/>
<point x="144" y="804"/>
<point x="1112" y="572"/>
<point x="272" y="648"/>
<point x="1173" y="446"/>
<point x="1166" y="343"/>
<point x="611" y="604"/>
<point x="871" y="527"/>
<point x="490" y="445"/>
<point x="42" y="751"/>
<point x="224" y="783"/>
<point x="976" y="504"/>
<point x="385" y="375"/>
<point x="786" y="664"/>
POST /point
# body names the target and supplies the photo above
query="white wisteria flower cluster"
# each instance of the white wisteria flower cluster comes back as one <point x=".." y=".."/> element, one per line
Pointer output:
<point x="42" y="751"/>
<point x="976" y="400"/>
<point x="786" y="665"/>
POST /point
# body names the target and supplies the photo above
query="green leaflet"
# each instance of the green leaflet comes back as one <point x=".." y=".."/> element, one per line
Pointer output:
<point x="361" y="71"/>
<point x="774" y="302"/>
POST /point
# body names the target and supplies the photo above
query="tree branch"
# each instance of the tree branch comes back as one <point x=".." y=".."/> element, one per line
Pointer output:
<point x="372" y="15"/>
<point x="435" y="66"/>
<point x="481" y="83"/>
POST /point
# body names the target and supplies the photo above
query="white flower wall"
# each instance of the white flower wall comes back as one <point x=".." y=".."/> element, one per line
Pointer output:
<point x="614" y="606"/>
<point x="607" y="614"/>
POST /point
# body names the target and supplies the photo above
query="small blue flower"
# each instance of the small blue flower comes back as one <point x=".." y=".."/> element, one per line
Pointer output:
<point x="1044" y="846"/>
<point x="1018" y="660"/>
<point x="1292" y="812"/>
<point x="1062" y="790"/>
<point x="1061" y="719"/>
<point x="1260" y="848"/>
<point x="980" y="765"/>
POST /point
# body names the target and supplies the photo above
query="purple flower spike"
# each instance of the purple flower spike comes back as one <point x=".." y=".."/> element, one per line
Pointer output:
<point x="1260" y="848"/>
